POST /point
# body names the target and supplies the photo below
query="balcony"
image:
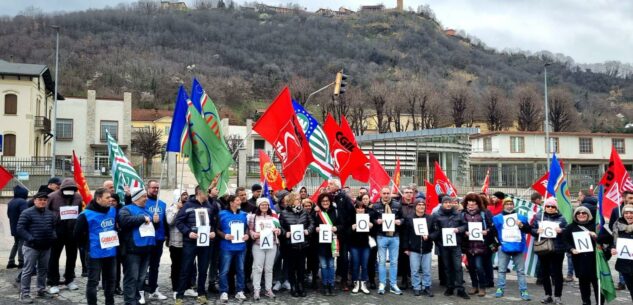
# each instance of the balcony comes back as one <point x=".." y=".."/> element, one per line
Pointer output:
<point x="42" y="124"/>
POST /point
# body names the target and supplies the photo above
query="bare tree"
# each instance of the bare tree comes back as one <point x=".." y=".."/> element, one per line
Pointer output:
<point x="561" y="111"/>
<point x="529" y="114"/>
<point x="233" y="142"/>
<point x="400" y="122"/>
<point x="147" y="143"/>
<point x="378" y="97"/>
<point x="356" y="112"/>
<point x="301" y="88"/>
<point x="497" y="109"/>
<point x="414" y="94"/>
<point x="460" y="100"/>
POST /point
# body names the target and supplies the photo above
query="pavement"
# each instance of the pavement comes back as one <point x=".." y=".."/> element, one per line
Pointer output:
<point x="571" y="293"/>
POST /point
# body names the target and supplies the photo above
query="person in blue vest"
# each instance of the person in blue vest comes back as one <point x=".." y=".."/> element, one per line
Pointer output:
<point x="232" y="247"/>
<point x="137" y="234"/>
<point x="95" y="230"/>
<point x="155" y="206"/>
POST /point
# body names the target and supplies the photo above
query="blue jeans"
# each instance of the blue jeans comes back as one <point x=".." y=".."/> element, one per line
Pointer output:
<point x="327" y="270"/>
<point x="391" y="244"/>
<point x="420" y="269"/>
<point x="226" y="258"/>
<point x="502" y="263"/>
<point x="477" y="271"/>
<point x="570" y="266"/>
<point x="360" y="258"/>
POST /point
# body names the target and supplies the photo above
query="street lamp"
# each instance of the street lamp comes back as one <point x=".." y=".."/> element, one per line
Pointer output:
<point x="547" y="116"/>
<point x="54" y="116"/>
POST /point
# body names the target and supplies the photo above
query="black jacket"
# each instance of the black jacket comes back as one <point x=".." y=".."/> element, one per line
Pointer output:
<point x="289" y="217"/>
<point x="584" y="263"/>
<point x="186" y="217"/>
<point x="127" y="224"/>
<point x="326" y="249"/>
<point x="448" y="219"/>
<point x="81" y="225"/>
<point x="16" y="206"/>
<point x="591" y="203"/>
<point x="622" y="265"/>
<point x="346" y="214"/>
<point x="413" y="242"/>
<point x="379" y="209"/>
<point x="37" y="228"/>
<point x="559" y="245"/>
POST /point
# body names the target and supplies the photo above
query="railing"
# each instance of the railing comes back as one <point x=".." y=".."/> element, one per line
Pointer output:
<point x="43" y="123"/>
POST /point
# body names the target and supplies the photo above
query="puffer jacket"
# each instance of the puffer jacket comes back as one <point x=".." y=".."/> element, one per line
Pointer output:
<point x="448" y="219"/>
<point x="476" y="247"/>
<point x="346" y="214"/>
<point x="37" y="228"/>
<point x="413" y="242"/>
<point x="559" y="244"/>
<point x="175" y="237"/>
<point x="266" y="219"/>
<point x="186" y="217"/>
<point x="57" y="199"/>
<point x="290" y="217"/>
<point x="510" y="246"/>
<point x="620" y="231"/>
<point x="379" y="209"/>
<point x="16" y="206"/>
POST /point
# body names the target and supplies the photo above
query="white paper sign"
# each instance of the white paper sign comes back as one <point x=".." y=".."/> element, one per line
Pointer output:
<point x="388" y="222"/>
<point x="362" y="222"/>
<point x="261" y="224"/>
<point x="582" y="241"/>
<point x="475" y="231"/>
<point x="108" y="239"/>
<point x="449" y="239"/>
<point x="511" y="231"/>
<point x="420" y="227"/>
<point x="266" y="239"/>
<point x="624" y="246"/>
<point x="237" y="230"/>
<point x="68" y="212"/>
<point x="203" y="236"/>
<point x="549" y="229"/>
<point x="202" y="217"/>
<point x="296" y="234"/>
<point x="147" y="230"/>
<point x="325" y="234"/>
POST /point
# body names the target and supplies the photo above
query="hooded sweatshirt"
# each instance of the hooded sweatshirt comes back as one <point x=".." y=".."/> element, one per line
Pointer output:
<point x="16" y="206"/>
<point x="57" y="200"/>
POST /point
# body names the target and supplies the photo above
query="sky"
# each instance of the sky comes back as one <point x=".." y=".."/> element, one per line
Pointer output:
<point x="588" y="31"/>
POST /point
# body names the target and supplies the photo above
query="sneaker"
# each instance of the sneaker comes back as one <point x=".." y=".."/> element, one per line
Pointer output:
<point x="72" y="286"/>
<point x="417" y="292"/>
<point x="525" y="296"/>
<point x="26" y="299"/>
<point x="569" y="278"/>
<point x="558" y="301"/>
<point x="256" y="294"/>
<point x="381" y="288"/>
<point x="53" y="290"/>
<point x="240" y="296"/>
<point x="499" y="293"/>
<point x="175" y="294"/>
<point x="286" y="285"/>
<point x="202" y="300"/>
<point x="191" y="293"/>
<point x="427" y="291"/>
<point x="277" y="286"/>
<point x="395" y="290"/>
<point x="269" y="294"/>
<point x="142" y="299"/>
<point x="547" y="300"/>
<point x="157" y="296"/>
<point x="224" y="297"/>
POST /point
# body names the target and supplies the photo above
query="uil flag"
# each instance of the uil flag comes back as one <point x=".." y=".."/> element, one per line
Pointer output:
<point x="432" y="200"/>
<point x="442" y="184"/>
<point x="82" y="185"/>
<point x="322" y="188"/>
<point x="346" y="156"/>
<point x="362" y="172"/>
<point x="281" y="128"/>
<point x="396" y="177"/>
<point x="178" y="123"/>
<point x="540" y="186"/>
<point x="615" y="180"/>
<point x="484" y="188"/>
<point x="378" y="178"/>
<point x="268" y="172"/>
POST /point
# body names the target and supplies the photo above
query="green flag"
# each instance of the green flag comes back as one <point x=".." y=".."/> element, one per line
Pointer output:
<point x="123" y="174"/>
<point x="208" y="153"/>
<point x="605" y="279"/>
<point x="564" y="204"/>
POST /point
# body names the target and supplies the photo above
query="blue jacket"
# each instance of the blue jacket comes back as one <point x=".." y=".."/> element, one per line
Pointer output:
<point x="150" y="206"/>
<point x="227" y="217"/>
<point x="16" y="206"/>
<point x="511" y="247"/>
<point x="186" y="217"/>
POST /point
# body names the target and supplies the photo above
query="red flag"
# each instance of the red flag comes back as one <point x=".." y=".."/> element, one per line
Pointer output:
<point x="82" y="185"/>
<point x="268" y="172"/>
<point x="615" y="180"/>
<point x="540" y="185"/>
<point x="484" y="188"/>
<point x="442" y="184"/>
<point x="5" y="177"/>
<point x="431" y="197"/>
<point x="346" y="157"/>
<point x="361" y="173"/>
<point x="378" y="178"/>
<point x="322" y="188"/>
<point x="396" y="177"/>
<point x="280" y="127"/>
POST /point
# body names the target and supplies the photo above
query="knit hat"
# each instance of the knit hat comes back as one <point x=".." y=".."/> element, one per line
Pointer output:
<point x="41" y="195"/>
<point x="499" y="195"/>
<point x="446" y="199"/>
<point x="507" y="201"/>
<point x="583" y="209"/>
<point x="551" y="201"/>
<point x="627" y="208"/>
<point x="262" y="200"/>
<point x="137" y="193"/>
<point x="55" y="180"/>
<point x="256" y="187"/>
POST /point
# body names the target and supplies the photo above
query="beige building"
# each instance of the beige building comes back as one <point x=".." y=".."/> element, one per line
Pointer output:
<point x="26" y="105"/>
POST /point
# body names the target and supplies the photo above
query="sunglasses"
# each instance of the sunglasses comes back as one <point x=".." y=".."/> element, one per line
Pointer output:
<point x="550" y="206"/>
<point x="582" y="213"/>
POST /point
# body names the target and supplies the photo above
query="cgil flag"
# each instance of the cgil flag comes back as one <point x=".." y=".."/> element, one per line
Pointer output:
<point x="82" y="184"/>
<point x="346" y="156"/>
<point x="318" y="141"/>
<point x="615" y="181"/>
<point x="557" y="185"/>
<point x="378" y="178"/>
<point x="432" y="200"/>
<point x="361" y="173"/>
<point x="322" y="188"/>
<point x="123" y="173"/>
<point x="443" y="185"/>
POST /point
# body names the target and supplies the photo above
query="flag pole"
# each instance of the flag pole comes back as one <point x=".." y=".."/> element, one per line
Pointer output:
<point x="160" y="181"/>
<point x="182" y="171"/>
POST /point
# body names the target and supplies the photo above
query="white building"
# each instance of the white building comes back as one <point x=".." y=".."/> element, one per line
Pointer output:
<point x="26" y="103"/>
<point x="82" y="123"/>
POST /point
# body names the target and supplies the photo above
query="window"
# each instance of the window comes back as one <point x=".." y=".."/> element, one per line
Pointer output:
<point x="64" y="129"/>
<point x="112" y="127"/>
<point x="488" y="144"/>
<point x="259" y="144"/>
<point x="517" y="145"/>
<point x="10" y="104"/>
<point x="553" y="145"/>
<point x="585" y="145"/>
<point x="102" y="161"/>
<point x="618" y="144"/>
<point x="166" y="131"/>
<point x="9" y="145"/>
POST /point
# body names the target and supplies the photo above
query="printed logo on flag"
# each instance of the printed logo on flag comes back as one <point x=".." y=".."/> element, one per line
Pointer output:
<point x="270" y="172"/>
<point x="342" y="156"/>
<point x="291" y="146"/>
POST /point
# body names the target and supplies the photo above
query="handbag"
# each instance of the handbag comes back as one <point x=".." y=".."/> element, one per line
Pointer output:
<point x="544" y="246"/>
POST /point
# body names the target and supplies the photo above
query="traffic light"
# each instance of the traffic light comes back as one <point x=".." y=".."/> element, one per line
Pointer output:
<point x="340" y="83"/>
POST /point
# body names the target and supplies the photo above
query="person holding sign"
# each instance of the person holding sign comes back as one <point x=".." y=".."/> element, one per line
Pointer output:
<point x="327" y="224"/>
<point x="196" y="213"/>
<point x="418" y="246"/>
<point x="580" y="241"/>
<point x="95" y="230"/>
<point x="155" y="206"/>
<point x="479" y="225"/>
<point x="346" y="213"/>
<point x="387" y="214"/>
<point x="359" y="248"/>
<point x="231" y="231"/>
<point x="623" y="246"/>
<point x="551" y="263"/>
<point x="264" y="233"/>
<point x="66" y="204"/>
<point x="293" y="216"/>
<point x="448" y="226"/>
<point x="137" y="230"/>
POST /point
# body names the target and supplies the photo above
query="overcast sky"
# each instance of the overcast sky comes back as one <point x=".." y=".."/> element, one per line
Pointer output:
<point x="588" y="31"/>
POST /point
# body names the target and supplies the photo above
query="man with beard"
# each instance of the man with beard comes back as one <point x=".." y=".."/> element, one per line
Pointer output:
<point x="408" y="210"/>
<point x="155" y="206"/>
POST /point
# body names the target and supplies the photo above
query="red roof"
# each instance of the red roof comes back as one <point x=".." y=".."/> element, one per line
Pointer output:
<point x="149" y="115"/>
